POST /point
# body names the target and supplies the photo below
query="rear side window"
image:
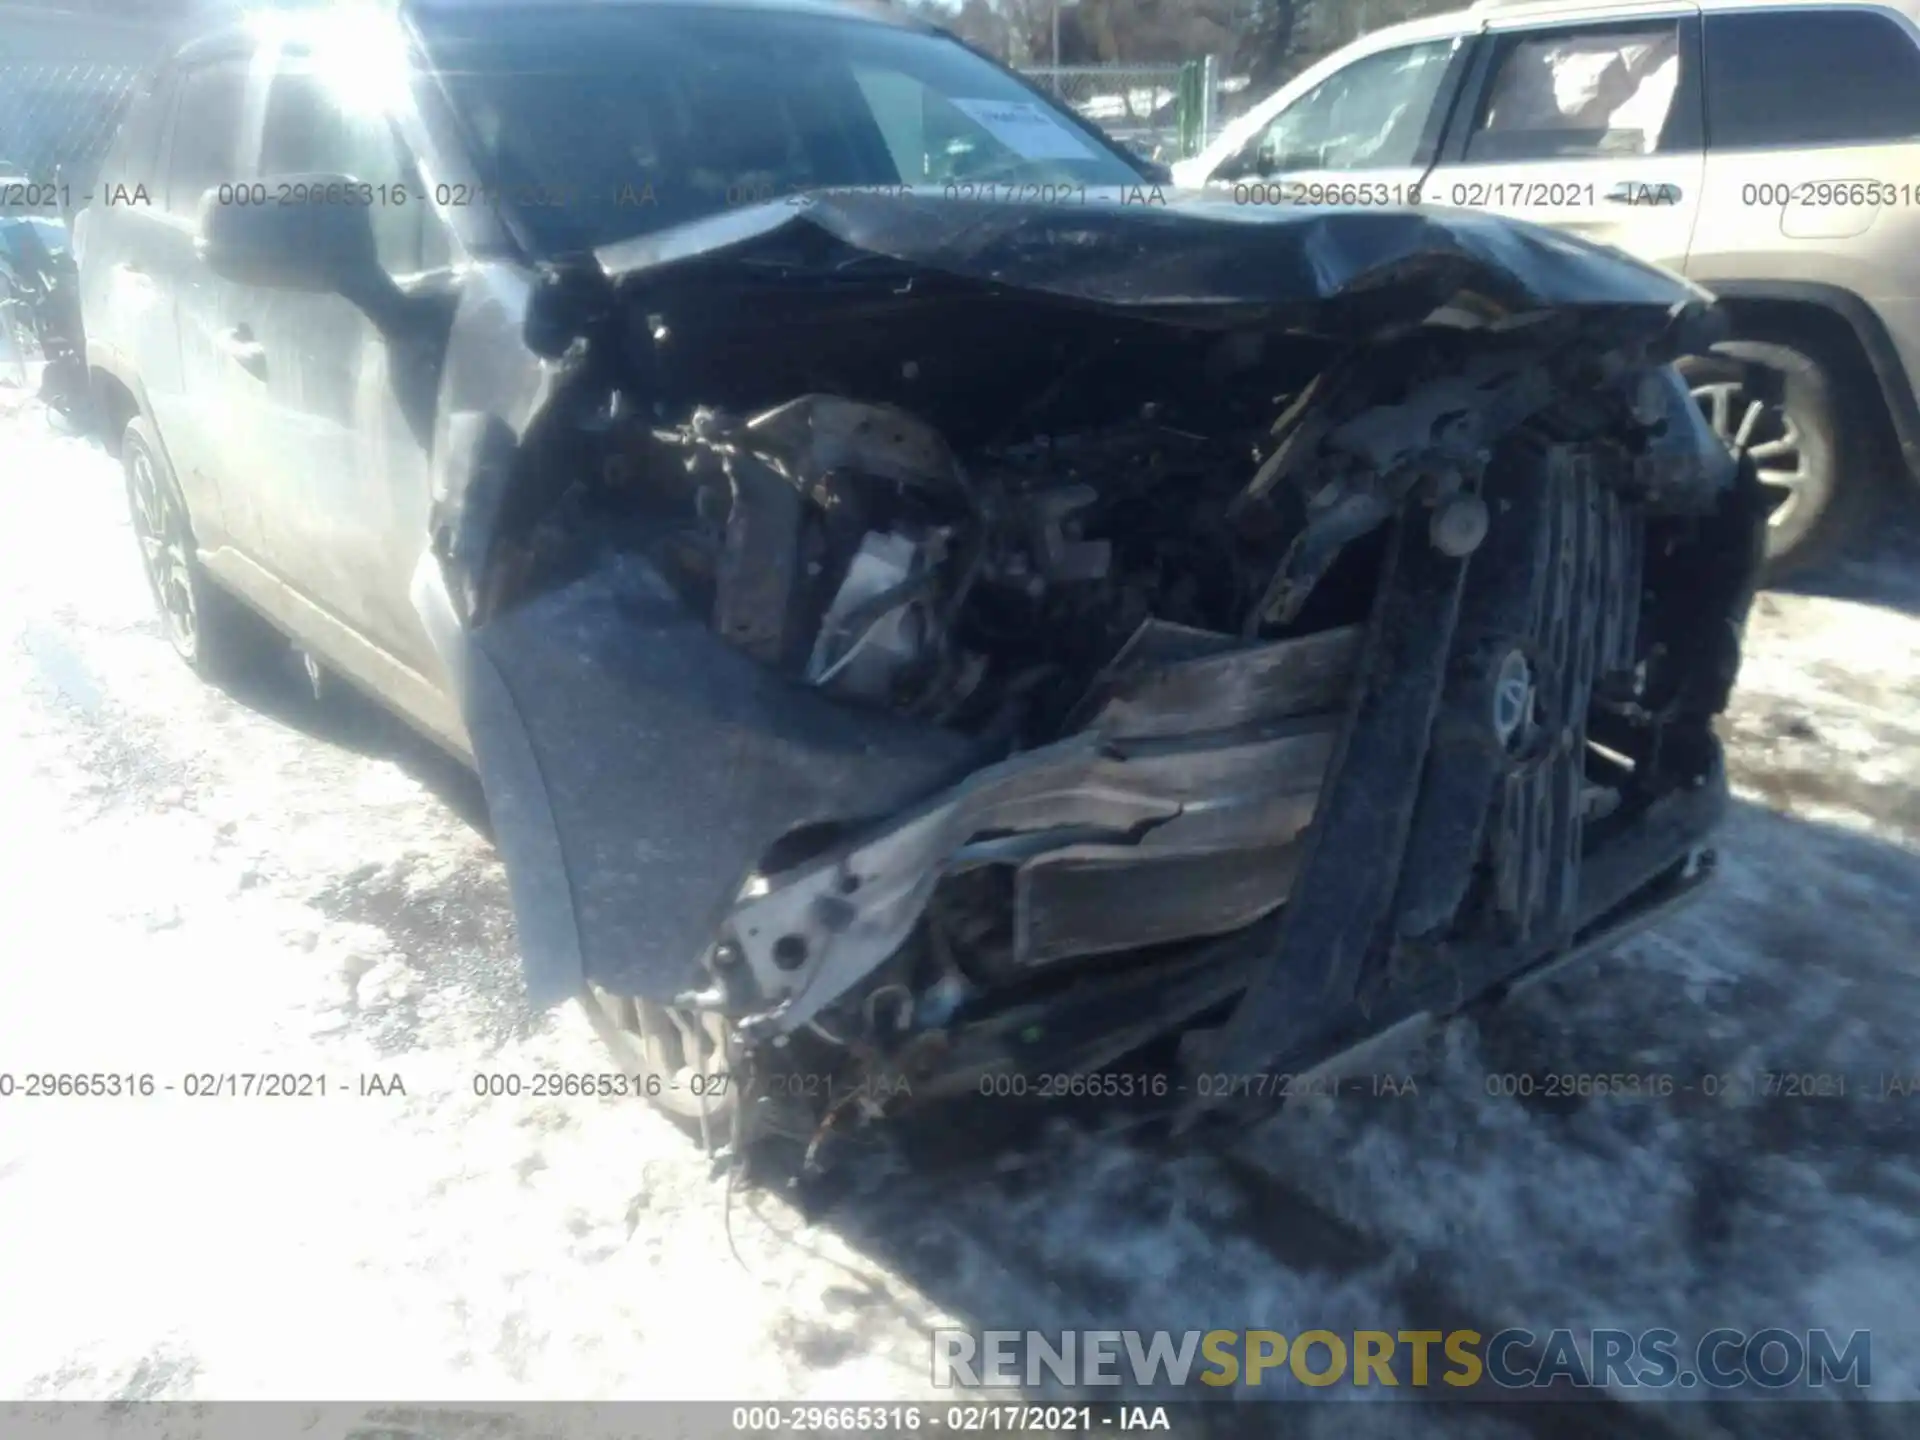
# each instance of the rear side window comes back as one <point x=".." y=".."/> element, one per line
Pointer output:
<point x="206" y="134"/>
<point x="1810" y="77"/>
<point x="1580" y="94"/>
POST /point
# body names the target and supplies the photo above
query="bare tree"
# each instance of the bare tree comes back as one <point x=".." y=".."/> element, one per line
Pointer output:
<point x="1266" y="40"/>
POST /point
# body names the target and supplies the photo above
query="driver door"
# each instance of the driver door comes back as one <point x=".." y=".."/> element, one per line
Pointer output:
<point x="1365" y="135"/>
<point x="343" y="508"/>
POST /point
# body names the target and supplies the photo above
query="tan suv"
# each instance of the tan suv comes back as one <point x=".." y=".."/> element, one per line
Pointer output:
<point x="1769" y="151"/>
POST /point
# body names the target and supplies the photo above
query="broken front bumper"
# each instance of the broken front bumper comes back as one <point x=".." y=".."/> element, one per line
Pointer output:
<point x="1283" y="845"/>
<point x="1340" y="812"/>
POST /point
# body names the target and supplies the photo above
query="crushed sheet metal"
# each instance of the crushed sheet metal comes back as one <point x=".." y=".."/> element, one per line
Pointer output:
<point x="1172" y="680"/>
<point x="1080" y="781"/>
<point x="1083" y="901"/>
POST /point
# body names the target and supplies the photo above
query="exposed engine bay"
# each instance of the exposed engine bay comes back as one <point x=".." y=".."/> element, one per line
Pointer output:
<point x="1090" y="675"/>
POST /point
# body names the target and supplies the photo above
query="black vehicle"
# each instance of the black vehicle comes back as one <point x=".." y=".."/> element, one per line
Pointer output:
<point x="927" y="607"/>
<point x="40" y="300"/>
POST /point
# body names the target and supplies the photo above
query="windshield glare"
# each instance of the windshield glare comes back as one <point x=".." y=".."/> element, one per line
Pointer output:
<point x="603" y="123"/>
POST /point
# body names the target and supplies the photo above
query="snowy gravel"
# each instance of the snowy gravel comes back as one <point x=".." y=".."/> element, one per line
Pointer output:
<point x="194" y="883"/>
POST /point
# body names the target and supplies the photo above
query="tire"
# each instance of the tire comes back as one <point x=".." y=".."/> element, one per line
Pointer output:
<point x="1810" y="442"/>
<point x="682" y="1068"/>
<point x="219" y="637"/>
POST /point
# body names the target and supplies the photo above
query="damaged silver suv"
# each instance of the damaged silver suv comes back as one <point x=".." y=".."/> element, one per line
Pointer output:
<point x="930" y="610"/>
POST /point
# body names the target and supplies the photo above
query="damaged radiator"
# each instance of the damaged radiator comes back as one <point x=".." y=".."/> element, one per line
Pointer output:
<point x="1581" y="633"/>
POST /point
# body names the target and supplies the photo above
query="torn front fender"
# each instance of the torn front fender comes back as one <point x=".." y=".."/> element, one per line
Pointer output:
<point x="638" y="767"/>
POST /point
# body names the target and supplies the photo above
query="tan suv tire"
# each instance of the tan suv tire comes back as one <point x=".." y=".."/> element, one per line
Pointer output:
<point x="1809" y="444"/>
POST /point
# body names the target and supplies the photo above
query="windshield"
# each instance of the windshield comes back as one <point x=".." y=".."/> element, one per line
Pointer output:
<point x="599" y="123"/>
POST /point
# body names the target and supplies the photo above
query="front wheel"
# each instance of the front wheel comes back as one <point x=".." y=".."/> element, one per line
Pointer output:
<point x="214" y="633"/>
<point x="1782" y="407"/>
<point x="686" y="1060"/>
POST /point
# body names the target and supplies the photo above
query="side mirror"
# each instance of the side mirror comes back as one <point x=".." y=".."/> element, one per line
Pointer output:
<point x="1158" y="172"/>
<point x="322" y="242"/>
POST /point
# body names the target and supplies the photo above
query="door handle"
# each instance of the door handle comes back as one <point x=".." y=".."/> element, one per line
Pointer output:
<point x="1644" y="192"/>
<point x="240" y="347"/>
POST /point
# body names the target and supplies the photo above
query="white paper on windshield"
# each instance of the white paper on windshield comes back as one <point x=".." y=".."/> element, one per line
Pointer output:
<point x="1026" y="128"/>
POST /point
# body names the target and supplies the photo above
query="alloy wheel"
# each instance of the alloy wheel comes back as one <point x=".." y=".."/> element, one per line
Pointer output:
<point x="164" y="554"/>
<point x="1769" y="434"/>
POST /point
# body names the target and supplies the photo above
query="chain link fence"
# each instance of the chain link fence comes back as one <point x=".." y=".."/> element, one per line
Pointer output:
<point x="1163" y="112"/>
<point x="58" y="116"/>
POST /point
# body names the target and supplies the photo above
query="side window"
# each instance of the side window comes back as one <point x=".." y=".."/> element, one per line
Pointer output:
<point x="1762" y="87"/>
<point x="133" y="159"/>
<point x="309" y="129"/>
<point x="1370" y="115"/>
<point x="1575" y="94"/>
<point x="206" y="134"/>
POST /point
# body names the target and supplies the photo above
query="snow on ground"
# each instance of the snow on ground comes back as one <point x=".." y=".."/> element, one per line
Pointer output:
<point x="193" y="884"/>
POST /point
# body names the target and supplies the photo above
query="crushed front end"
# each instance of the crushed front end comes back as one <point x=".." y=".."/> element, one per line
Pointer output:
<point x="916" y="644"/>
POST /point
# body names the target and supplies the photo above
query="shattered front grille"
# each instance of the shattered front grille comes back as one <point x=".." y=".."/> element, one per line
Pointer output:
<point x="1582" y="628"/>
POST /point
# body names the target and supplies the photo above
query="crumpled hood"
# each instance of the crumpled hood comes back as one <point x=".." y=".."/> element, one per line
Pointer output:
<point x="1151" y="247"/>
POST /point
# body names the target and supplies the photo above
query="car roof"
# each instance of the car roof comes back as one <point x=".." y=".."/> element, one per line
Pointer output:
<point x="823" y="7"/>
<point x="296" y="24"/>
<point x="1504" y="14"/>
<point x="1495" y="15"/>
<point x="1508" y="12"/>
